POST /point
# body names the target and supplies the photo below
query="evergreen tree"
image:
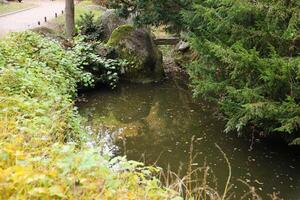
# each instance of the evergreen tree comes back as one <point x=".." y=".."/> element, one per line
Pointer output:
<point x="249" y="61"/>
<point x="153" y="12"/>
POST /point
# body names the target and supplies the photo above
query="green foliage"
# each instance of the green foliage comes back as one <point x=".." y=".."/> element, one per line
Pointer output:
<point x="34" y="68"/>
<point x="104" y="70"/>
<point x="153" y="12"/>
<point x="44" y="152"/>
<point x="249" y="61"/>
<point x="89" y="27"/>
<point x="249" y="55"/>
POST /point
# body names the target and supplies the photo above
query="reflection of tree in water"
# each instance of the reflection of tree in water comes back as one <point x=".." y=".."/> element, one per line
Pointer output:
<point x="152" y="118"/>
<point x="159" y="121"/>
<point x="133" y="103"/>
<point x="160" y="112"/>
<point x="156" y="113"/>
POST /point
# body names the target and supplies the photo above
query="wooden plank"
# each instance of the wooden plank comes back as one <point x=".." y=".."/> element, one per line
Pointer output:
<point x="166" y="41"/>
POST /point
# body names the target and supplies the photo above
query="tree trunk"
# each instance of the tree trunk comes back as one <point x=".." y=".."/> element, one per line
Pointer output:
<point x="70" y="21"/>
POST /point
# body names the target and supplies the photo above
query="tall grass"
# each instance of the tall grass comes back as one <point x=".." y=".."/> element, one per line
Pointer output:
<point x="200" y="183"/>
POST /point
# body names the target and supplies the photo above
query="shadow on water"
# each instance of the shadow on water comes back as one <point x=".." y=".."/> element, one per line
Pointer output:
<point x="155" y="124"/>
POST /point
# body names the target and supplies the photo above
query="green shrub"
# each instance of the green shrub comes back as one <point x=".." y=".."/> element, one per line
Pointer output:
<point x="89" y="27"/>
<point x="103" y="70"/>
<point x="249" y="61"/>
<point x="35" y="68"/>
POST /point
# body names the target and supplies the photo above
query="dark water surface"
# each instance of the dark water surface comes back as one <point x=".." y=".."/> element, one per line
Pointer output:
<point x="155" y="124"/>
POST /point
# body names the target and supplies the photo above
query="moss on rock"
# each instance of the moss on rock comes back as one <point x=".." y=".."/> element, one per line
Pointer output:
<point x="137" y="46"/>
<point x="119" y="33"/>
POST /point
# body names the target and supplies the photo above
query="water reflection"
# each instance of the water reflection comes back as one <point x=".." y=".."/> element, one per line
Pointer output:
<point x="155" y="124"/>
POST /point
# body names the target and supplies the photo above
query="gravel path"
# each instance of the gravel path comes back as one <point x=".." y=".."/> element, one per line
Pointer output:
<point x="29" y="19"/>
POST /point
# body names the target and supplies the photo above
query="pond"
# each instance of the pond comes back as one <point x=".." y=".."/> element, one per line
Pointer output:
<point x="155" y="124"/>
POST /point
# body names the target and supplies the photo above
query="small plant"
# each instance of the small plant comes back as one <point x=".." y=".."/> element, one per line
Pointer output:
<point x="103" y="70"/>
<point x="89" y="27"/>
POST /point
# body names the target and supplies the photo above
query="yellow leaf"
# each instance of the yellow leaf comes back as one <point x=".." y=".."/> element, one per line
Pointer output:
<point x="57" y="190"/>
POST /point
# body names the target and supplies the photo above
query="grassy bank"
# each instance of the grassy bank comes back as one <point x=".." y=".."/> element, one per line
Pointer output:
<point x="44" y="152"/>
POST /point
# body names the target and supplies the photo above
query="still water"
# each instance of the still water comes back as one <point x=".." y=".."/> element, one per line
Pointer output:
<point x="155" y="124"/>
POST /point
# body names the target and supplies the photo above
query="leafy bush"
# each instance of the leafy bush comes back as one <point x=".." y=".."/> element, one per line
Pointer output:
<point x="249" y="62"/>
<point x="33" y="68"/>
<point x="43" y="149"/>
<point x="104" y="70"/>
<point x="91" y="28"/>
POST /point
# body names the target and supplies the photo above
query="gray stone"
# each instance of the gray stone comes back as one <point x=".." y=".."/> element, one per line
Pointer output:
<point x="137" y="46"/>
<point x="182" y="46"/>
<point x="111" y="21"/>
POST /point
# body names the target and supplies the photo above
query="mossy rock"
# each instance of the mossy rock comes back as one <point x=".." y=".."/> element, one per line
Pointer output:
<point x="137" y="47"/>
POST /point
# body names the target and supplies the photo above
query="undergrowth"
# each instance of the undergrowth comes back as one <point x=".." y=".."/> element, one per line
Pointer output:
<point x="43" y="149"/>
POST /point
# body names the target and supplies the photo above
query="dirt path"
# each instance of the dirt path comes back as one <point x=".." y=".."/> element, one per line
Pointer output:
<point x="29" y="18"/>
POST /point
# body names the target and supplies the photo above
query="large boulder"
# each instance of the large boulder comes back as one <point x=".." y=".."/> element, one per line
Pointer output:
<point x="110" y="21"/>
<point x="137" y="47"/>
